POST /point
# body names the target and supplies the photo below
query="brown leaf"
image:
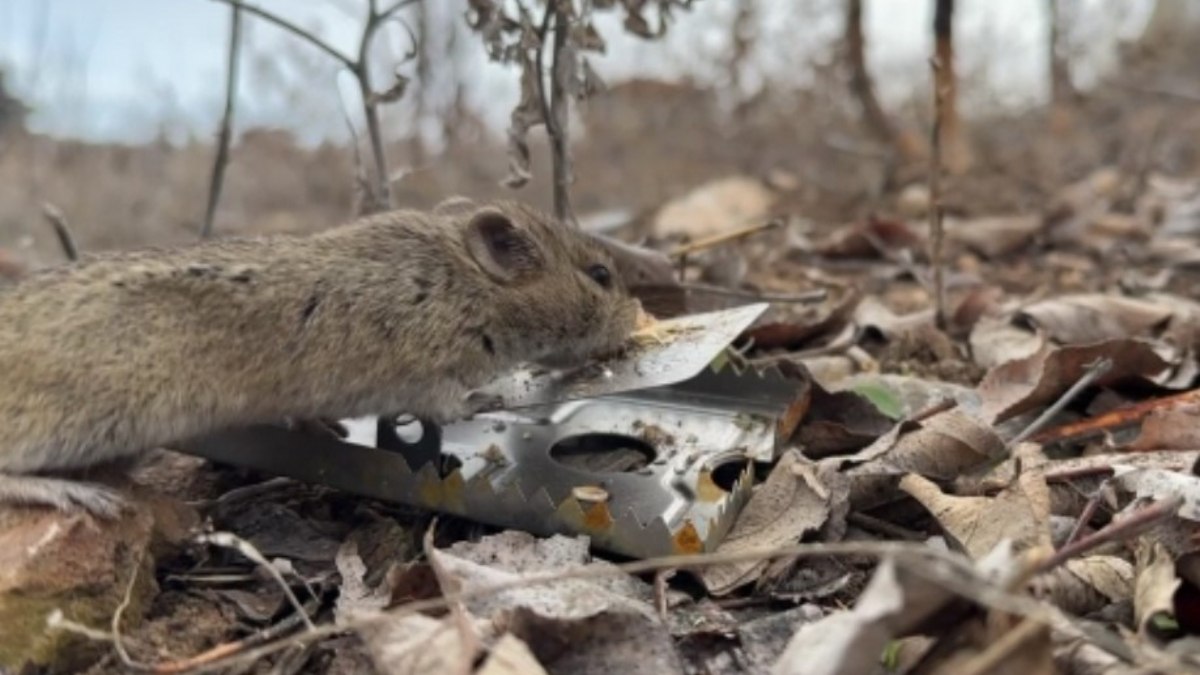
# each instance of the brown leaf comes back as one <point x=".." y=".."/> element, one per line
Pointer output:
<point x="994" y="236"/>
<point x="1020" y="513"/>
<point x="1092" y="317"/>
<point x="790" y="503"/>
<point x="1019" y="386"/>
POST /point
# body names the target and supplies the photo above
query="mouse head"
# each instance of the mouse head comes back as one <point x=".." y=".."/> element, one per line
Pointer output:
<point x="553" y="295"/>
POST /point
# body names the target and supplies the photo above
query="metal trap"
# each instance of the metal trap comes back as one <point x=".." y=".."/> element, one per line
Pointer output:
<point x="651" y="454"/>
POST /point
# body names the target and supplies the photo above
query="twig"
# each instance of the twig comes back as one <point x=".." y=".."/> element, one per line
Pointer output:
<point x="1095" y="371"/>
<point x="62" y="230"/>
<point x="294" y="30"/>
<point x="661" y="577"/>
<point x="1139" y="521"/>
<point x="122" y="653"/>
<point x="936" y="213"/>
<point x="1089" y="510"/>
<point x="381" y="192"/>
<point x="236" y="543"/>
<point x="726" y="237"/>
<point x="226" y="131"/>
<point x="1114" y="419"/>
<point x="557" y="123"/>
<point x="470" y="645"/>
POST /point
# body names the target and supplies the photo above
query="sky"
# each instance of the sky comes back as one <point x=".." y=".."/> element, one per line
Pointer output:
<point x="127" y="70"/>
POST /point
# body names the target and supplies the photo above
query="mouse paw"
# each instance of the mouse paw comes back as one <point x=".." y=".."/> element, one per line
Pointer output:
<point x="62" y="494"/>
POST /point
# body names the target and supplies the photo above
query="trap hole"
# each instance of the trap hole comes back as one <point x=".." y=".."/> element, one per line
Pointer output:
<point x="726" y="473"/>
<point x="603" y="453"/>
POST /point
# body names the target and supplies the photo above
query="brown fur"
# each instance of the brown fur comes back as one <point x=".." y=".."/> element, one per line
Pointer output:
<point x="119" y="354"/>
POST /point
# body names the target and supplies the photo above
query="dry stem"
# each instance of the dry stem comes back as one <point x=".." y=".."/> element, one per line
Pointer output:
<point x="62" y="230"/>
<point x="226" y="130"/>
<point x="935" y="197"/>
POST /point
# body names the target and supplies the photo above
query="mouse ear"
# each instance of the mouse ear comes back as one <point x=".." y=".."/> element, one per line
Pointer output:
<point x="454" y="204"/>
<point x="505" y="252"/>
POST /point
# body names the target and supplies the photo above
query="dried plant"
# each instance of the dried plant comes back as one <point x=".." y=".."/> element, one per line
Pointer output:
<point x="377" y="192"/>
<point x="566" y="29"/>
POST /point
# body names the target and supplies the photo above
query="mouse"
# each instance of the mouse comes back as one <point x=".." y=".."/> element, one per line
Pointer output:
<point x="117" y="354"/>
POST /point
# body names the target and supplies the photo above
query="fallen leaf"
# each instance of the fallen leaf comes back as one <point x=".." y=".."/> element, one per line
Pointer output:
<point x="715" y="207"/>
<point x="942" y="447"/>
<point x="1020" y="513"/>
<point x="1012" y="388"/>
<point x="510" y="656"/>
<point x="853" y="641"/>
<point x="1095" y="317"/>
<point x="1085" y="585"/>
<point x="994" y="236"/>
<point x="789" y="504"/>
<point x="1154" y="598"/>
<point x="873" y="238"/>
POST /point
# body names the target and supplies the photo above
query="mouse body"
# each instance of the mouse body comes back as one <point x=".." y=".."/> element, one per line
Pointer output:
<point x="398" y="312"/>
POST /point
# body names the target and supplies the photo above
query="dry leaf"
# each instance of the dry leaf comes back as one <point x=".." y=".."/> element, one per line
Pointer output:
<point x="852" y="641"/>
<point x="789" y="504"/>
<point x="994" y="236"/>
<point x="1020" y="513"/>
<point x="1154" y="599"/>
<point x="1019" y="386"/>
<point x="1094" y="317"/>
<point x="510" y="656"/>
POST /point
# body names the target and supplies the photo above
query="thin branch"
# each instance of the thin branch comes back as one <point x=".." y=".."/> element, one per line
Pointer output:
<point x="1134" y="524"/>
<point x="560" y="133"/>
<point x="294" y="30"/>
<point x="396" y="7"/>
<point x="1095" y="371"/>
<point x="62" y="230"/>
<point x="936" y="214"/>
<point x="236" y="543"/>
<point x="226" y="131"/>
<point x="726" y="237"/>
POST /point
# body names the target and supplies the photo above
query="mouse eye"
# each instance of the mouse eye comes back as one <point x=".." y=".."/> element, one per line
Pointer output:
<point x="600" y="274"/>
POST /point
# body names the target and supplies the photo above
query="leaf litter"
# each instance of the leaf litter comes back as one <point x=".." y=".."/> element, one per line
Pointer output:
<point x="994" y="441"/>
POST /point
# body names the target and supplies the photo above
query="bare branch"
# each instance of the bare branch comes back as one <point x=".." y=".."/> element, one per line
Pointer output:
<point x="62" y="230"/>
<point x="936" y="228"/>
<point x="396" y="7"/>
<point x="226" y="131"/>
<point x="294" y="30"/>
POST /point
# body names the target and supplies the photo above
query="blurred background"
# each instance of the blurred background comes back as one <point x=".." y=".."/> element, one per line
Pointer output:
<point x="110" y="110"/>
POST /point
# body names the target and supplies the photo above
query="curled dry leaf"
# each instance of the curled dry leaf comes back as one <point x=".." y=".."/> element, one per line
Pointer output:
<point x="1020" y="513"/>
<point x="823" y="321"/>
<point x="839" y="422"/>
<point x="943" y="446"/>
<point x="851" y="641"/>
<point x="1158" y="485"/>
<point x="1154" y="598"/>
<point x="1084" y="585"/>
<point x="994" y="236"/>
<point x="1094" y="317"/>
<point x="1019" y="386"/>
<point x="608" y="622"/>
<point x="415" y="644"/>
<point x="996" y="340"/>
<point x="789" y="504"/>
